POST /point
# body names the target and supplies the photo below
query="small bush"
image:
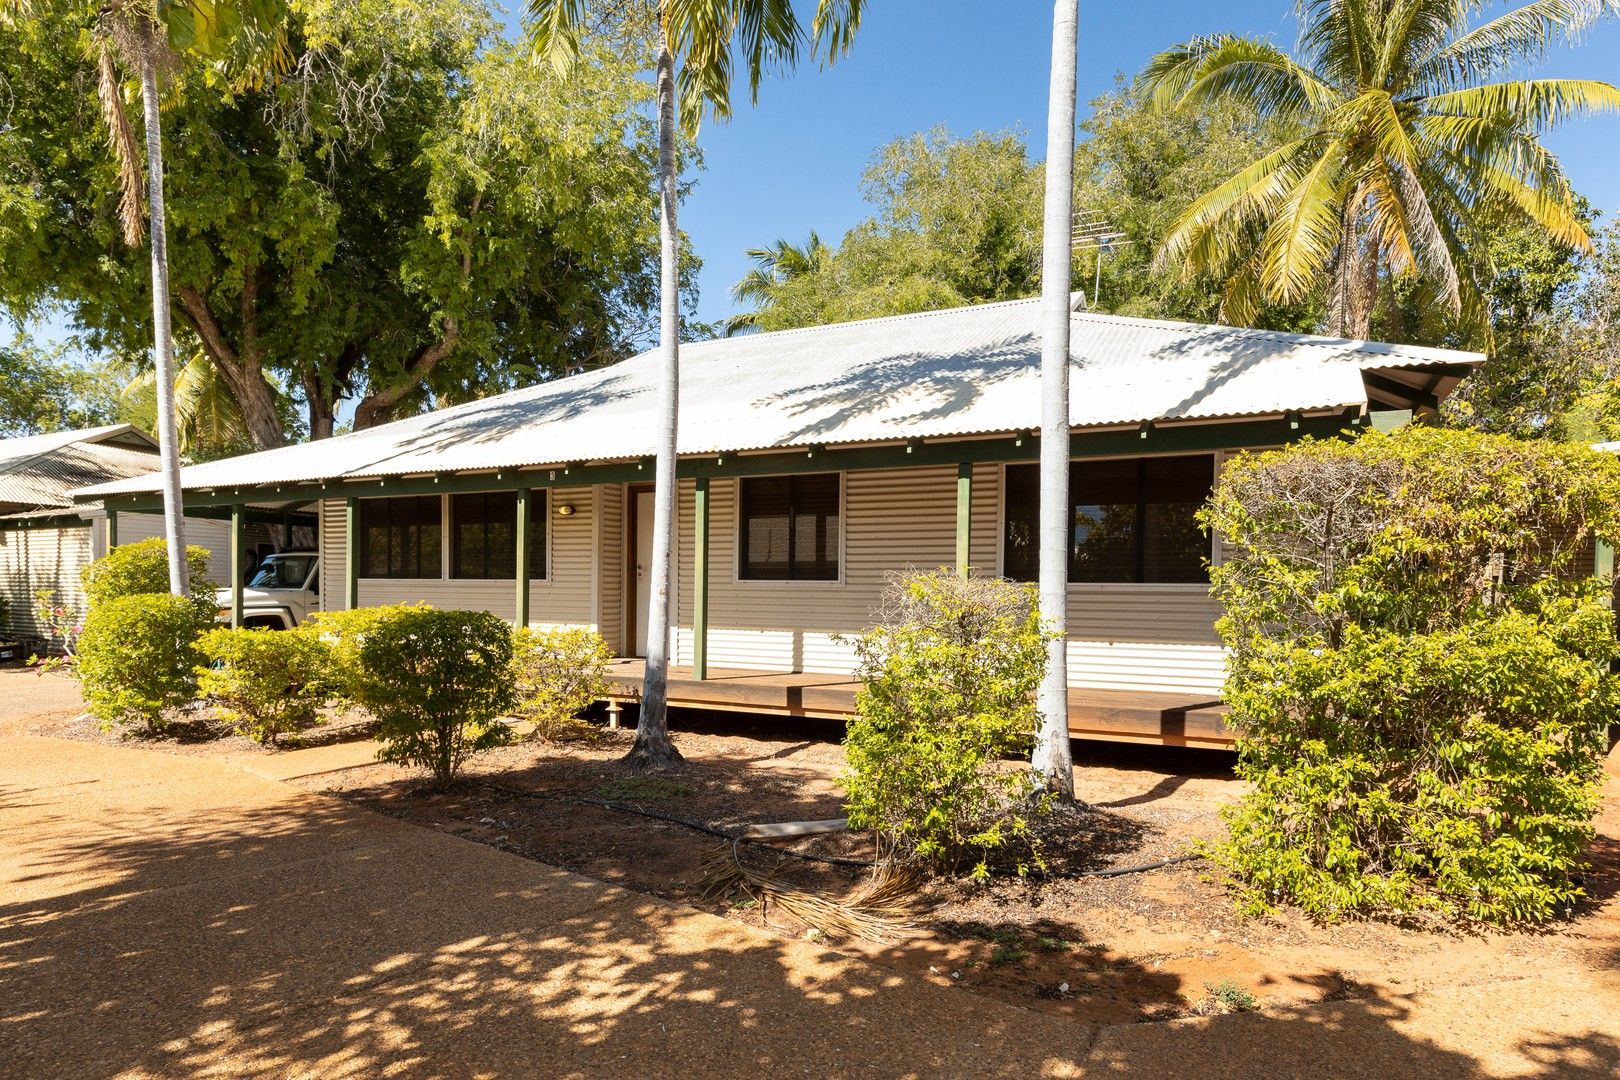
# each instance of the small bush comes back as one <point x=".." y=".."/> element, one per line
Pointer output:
<point x="438" y="681"/>
<point x="142" y="568"/>
<point x="61" y="626"/>
<point x="1419" y="672"/>
<point x="344" y="632"/>
<point x="950" y="674"/>
<point x="138" y="657"/>
<point x="266" y="682"/>
<point x="558" y="674"/>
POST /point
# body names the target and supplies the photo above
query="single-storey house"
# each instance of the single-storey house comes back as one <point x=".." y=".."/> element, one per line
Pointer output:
<point x="47" y="539"/>
<point x="816" y="462"/>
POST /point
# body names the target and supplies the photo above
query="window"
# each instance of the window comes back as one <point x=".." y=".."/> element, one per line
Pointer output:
<point x="400" y="538"/>
<point x="1133" y="520"/>
<point x="789" y="528"/>
<point x="484" y="535"/>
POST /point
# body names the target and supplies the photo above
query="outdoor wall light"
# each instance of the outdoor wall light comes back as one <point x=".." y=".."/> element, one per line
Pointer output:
<point x="565" y="510"/>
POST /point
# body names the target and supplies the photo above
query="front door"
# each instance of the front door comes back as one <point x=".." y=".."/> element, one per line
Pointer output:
<point x="641" y="518"/>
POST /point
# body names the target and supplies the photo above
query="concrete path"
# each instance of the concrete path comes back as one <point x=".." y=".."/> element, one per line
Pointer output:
<point x="163" y="916"/>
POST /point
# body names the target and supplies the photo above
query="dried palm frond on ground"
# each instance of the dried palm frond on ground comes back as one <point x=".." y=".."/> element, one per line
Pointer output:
<point x="878" y="910"/>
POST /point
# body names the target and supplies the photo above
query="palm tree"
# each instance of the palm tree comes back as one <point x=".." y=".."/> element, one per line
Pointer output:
<point x="207" y="417"/>
<point x="1052" y="759"/>
<point x="147" y="37"/>
<point x="704" y="34"/>
<point x="1409" y="149"/>
<point x="774" y="266"/>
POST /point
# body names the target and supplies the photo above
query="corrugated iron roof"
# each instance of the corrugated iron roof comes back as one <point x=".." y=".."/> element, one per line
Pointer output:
<point x="964" y="371"/>
<point x="40" y="471"/>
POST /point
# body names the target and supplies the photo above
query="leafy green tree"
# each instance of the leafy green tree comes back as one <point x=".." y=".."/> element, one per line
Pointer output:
<point x="956" y="220"/>
<point x="148" y="38"/>
<point x="1407" y="151"/>
<point x="707" y="36"/>
<point x="409" y="215"/>
<point x="44" y="389"/>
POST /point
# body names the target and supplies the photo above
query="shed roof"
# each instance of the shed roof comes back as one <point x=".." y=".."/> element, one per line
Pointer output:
<point x="960" y="372"/>
<point x="39" y="472"/>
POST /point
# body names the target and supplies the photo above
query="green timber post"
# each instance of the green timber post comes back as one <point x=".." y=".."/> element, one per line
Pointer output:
<point x="112" y="528"/>
<point x="964" y="517"/>
<point x="700" y="579"/>
<point x="1603" y="560"/>
<point x="236" y="565"/>
<point x="351" y="553"/>
<point x="521" y="611"/>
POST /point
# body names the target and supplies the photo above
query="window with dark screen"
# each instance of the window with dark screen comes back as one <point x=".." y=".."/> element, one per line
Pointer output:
<point x="790" y="528"/>
<point x="401" y="537"/>
<point x="1131" y="520"/>
<point x="484" y="535"/>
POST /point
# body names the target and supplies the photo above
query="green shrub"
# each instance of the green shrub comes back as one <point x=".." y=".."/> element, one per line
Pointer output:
<point x="557" y="675"/>
<point x="143" y="567"/>
<point x="344" y="632"/>
<point x="137" y="658"/>
<point x="438" y="681"/>
<point x="950" y="674"/>
<point x="266" y="682"/>
<point x="1419" y="672"/>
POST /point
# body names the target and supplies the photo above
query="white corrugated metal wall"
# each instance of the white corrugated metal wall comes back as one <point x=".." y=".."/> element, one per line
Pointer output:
<point x="1122" y="636"/>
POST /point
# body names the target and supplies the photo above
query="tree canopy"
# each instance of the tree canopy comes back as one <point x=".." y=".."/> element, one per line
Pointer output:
<point x="412" y="214"/>
<point x="1410" y="146"/>
<point x="957" y="220"/>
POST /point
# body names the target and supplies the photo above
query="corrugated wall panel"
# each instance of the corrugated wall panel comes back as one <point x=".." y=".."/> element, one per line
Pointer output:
<point x="1136" y="636"/>
<point x="207" y="533"/>
<point x="610" y="613"/>
<point x="35" y="559"/>
<point x="564" y="598"/>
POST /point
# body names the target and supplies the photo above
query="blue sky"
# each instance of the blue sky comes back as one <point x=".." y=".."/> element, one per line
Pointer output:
<point x="793" y="163"/>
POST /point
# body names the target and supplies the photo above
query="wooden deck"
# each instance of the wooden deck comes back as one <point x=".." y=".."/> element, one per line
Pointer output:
<point x="1165" y="719"/>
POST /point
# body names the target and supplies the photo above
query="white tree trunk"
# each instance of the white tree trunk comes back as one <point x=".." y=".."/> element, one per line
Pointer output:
<point x="1052" y="762"/>
<point x="653" y="748"/>
<point x="174" y="520"/>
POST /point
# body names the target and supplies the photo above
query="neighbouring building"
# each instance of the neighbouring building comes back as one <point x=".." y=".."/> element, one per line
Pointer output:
<point x="46" y="539"/>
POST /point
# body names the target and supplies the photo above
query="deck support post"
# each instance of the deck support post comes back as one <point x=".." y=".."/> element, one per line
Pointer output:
<point x="700" y="579"/>
<point x="521" y="611"/>
<point x="351" y="553"/>
<point x="964" y="517"/>
<point x="236" y="565"/>
<point x="286" y="532"/>
<point x="112" y="528"/>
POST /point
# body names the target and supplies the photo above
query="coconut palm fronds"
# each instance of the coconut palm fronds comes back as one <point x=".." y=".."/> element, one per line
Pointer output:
<point x="878" y="911"/>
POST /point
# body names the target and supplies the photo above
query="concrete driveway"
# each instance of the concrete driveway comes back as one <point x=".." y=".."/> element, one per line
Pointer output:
<point x="163" y="916"/>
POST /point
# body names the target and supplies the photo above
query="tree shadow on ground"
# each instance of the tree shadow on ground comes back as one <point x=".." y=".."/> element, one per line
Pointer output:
<point x="150" y="931"/>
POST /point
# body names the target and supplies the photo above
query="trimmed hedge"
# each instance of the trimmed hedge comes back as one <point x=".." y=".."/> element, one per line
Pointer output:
<point x="266" y="682"/>
<point x="1419" y="672"/>
<point x="438" y="683"/>
<point x="138" y="657"/>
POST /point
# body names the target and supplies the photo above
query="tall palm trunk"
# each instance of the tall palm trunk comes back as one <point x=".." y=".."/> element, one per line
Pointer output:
<point x="653" y="748"/>
<point x="174" y="522"/>
<point x="1052" y="761"/>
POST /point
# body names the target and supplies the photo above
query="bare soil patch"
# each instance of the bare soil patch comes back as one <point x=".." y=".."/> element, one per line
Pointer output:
<point x="1104" y="950"/>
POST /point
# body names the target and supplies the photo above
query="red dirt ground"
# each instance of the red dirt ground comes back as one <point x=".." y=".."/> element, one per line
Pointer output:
<point x="1103" y="950"/>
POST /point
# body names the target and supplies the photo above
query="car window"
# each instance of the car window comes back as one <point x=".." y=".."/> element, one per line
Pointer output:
<point x="283" y="572"/>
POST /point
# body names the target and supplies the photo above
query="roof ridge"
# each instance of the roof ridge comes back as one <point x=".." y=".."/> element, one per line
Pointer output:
<point x="900" y="317"/>
<point x="1360" y="345"/>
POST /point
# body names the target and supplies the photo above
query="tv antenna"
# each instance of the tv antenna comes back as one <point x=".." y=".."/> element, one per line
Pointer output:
<point x="1093" y="232"/>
